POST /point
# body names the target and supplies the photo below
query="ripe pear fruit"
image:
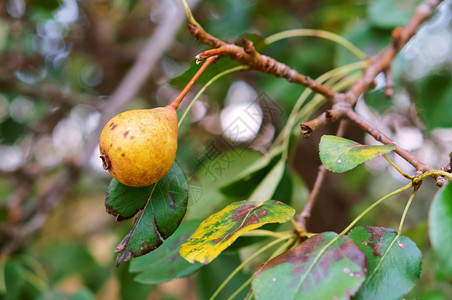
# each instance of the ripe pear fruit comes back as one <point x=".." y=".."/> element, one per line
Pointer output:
<point x="138" y="147"/>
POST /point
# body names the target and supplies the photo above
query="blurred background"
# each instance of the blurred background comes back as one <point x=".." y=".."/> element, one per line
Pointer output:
<point x="67" y="67"/>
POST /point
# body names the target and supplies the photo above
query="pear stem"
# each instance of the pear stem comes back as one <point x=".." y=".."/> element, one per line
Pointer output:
<point x="180" y="97"/>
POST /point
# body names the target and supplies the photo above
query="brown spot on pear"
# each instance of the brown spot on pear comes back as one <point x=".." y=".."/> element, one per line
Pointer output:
<point x="147" y="157"/>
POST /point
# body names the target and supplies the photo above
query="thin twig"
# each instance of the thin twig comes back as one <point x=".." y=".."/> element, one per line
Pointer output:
<point x="381" y="137"/>
<point x="389" y="88"/>
<point x="304" y="216"/>
<point x="181" y="96"/>
<point x="380" y="63"/>
<point x="383" y="61"/>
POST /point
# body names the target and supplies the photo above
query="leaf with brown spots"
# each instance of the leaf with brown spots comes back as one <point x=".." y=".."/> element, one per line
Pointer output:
<point x="394" y="262"/>
<point x="162" y="204"/>
<point x="325" y="266"/>
<point x="340" y="155"/>
<point x="221" y="229"/>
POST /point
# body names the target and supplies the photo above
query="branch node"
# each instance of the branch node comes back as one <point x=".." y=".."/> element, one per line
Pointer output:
<point x="339" y="110"/>
<point x="329" y="114"/>
<point x="389" y="90"/>
<point x="193" y="29"/>
<point x="441" y="180"/>
<point x="396" y="38"/>
<point x="372" y="84"/>
<point x="248" y="46"/>
<point x="306" y="130"/>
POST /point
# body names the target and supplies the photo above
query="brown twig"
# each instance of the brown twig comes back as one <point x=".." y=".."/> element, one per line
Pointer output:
<point x="342" y="103"/>
<point x="381" y="137"/>
<point x="308" y="127"/>
<point x="304" y="216"/>
<point x="380" y="63"/>
<point x="383" y="61"/>
<point x="337" y="112"/>
<point x="389" y="88"/>
<point x="248" y="55"/>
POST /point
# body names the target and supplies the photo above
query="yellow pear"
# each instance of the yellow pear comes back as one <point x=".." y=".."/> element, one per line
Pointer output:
<point x="138" y="147"/>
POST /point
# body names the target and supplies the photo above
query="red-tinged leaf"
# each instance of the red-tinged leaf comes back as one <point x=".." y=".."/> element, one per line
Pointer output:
<point x="221" y="229"/>
<point x="394" y="262"/>
<point x="324" y="266"/>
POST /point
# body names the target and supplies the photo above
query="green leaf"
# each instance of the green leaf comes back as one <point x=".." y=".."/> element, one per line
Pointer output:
<point x="265" y="190"/>
<point x="123" y="201"/>
<point x="130" y="4"/>
<point x="388" y="14"/>
<point x="130" y="289"/>
<point x="440" y="225"/>
<point x="82" y="294"/>
<point x="324" y="266"/>
<point x="165" y="263"/>
<point x="211" y="276"/>
<point x="212" y="174"/>
<point x="284" y="192"/>
<point x="221" y="229"/>
<point x="340" y="155"/>
<point x="394" y="262"/>
<point x="435" y="100"/>
<point x="20" y="282"/>
<point x="364" y="36"/>
<point x="377" y="99"/>
<point x="64" y="259"/>
<point x="253" y="168"/>
<point x="162" y="213"/>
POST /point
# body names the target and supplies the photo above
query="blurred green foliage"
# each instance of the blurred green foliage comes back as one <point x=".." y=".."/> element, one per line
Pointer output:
<point x="57" y="63"/>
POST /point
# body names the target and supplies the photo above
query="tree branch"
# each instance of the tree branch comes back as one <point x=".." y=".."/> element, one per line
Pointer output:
<point x="379" y="63"/>
<point x="381" y="137"/>
<point x="383" y="61"/>
<point x="247" y="55"/>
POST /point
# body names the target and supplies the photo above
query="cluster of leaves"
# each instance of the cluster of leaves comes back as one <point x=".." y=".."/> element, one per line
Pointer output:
<point x="368" y="263"/>
<point x="47" y="270"/>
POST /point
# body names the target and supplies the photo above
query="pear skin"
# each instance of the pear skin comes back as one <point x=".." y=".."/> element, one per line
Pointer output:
<point x="138" y="147"/>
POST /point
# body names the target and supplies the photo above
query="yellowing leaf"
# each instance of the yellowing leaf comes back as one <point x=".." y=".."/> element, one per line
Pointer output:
<point x="221" y="229"/>
<point x="340" y="155"/>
